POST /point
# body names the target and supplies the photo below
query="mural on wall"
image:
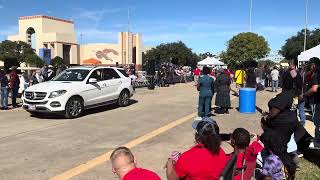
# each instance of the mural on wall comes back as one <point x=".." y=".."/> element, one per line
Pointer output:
<point x="107" y="54"/>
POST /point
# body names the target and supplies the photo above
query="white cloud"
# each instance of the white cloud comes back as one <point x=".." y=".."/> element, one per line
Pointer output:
<point x="94" y="15"/>
<point x="92" y="35"/>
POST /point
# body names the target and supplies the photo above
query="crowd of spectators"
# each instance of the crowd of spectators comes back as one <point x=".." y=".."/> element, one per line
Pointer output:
<point x="281" y="126"/>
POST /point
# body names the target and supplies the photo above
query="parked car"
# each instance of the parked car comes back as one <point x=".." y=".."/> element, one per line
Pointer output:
<point x="77" y="89"/>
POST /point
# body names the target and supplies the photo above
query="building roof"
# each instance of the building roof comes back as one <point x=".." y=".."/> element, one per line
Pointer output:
<point x="44" y="16"/>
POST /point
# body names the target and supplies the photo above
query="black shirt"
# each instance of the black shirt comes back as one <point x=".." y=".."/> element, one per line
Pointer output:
<point x="287" y="103"/>
<point x="316" y="81"/>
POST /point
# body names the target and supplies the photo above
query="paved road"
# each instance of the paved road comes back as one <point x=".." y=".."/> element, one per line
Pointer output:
<point x="41" y="148"/>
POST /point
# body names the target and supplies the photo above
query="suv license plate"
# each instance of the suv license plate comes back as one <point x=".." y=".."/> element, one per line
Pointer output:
<point x="32" y="107"/>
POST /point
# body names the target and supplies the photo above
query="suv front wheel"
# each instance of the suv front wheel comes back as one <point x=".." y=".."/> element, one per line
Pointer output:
<point x="124" y="98"/>
<point x="74" y="108"/>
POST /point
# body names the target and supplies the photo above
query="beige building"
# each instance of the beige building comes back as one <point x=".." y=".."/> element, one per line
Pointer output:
<point x="59" y="36"/>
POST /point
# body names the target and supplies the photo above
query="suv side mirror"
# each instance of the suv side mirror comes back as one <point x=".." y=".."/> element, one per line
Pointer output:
<point x="93" y="80"/>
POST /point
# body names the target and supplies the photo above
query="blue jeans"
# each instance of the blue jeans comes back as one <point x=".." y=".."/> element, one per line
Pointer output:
<point x="316" y="120"/>
<point x="301" y="112"/>
<point x="4" y="97"/>
<point x="14" y="95"/>
<point x="206" y="103"/>
<point x="274" y="85"/>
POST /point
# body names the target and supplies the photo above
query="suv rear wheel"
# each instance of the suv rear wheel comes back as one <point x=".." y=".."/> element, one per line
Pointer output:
<point x="74" y="108"/>
<point x="124" y="98"/>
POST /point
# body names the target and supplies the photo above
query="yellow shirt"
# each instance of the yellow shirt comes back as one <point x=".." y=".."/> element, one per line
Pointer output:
<point x="240" y="76"/>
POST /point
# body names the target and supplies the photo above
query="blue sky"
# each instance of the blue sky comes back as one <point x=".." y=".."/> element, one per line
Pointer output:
<point x="204" y="25"/>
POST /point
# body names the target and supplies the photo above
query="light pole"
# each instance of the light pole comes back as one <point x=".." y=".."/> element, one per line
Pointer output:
<point x="306" y="25"/>
<point x="250" y="21"/>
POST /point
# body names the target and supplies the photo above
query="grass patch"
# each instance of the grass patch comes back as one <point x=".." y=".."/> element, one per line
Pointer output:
<point x="308" y="170"/>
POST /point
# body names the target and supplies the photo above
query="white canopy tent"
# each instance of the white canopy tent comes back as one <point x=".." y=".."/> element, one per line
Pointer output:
<point x="210" y="61"/>
<point x="310" y="53"/>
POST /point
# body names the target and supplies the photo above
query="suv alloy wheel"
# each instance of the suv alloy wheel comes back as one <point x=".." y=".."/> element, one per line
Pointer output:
<point x="74" y="107"/>
<point x="124" y="98"/>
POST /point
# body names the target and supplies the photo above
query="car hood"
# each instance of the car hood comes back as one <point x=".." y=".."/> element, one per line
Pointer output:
<point x="51" y="86"/>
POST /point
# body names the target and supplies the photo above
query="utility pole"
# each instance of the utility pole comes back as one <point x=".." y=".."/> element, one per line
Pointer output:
<point x="128" y="38"/>
<point x="250" y="21"/>
<point x="81" y="36"/>
<point x="306" y="25"/>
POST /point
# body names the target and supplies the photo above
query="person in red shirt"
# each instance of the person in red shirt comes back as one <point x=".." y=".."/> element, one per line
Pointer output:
<point x="204" y="161"/>
<point x="196" y="74"/>
<point x="14" y="85"/>
<point x="247" y="153"/>
<point x="125" y="166"/>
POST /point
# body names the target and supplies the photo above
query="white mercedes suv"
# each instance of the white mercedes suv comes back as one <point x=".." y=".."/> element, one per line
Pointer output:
<point x="77" y="89"/>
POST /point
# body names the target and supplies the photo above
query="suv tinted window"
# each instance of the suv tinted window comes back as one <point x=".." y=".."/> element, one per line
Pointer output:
<point x="110" y="74"/>
<point x="123" y="72"/>
<point x="97" y="74"/>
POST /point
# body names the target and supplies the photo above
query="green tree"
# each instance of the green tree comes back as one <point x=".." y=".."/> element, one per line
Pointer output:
<point x="177" y="53"/>
<point x="57" y="61"/>
<point x="205" y="55"/>
<point x="245" y="47"/>
<point x="295" y="44"/>
<point x="17" y="50"/>
<point x="34" y="60"/>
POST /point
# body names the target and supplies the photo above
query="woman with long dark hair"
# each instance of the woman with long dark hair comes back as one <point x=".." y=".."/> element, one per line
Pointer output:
<point x="223" y="92"/>
<point x="277" y="157"/>
<point x="206" y="160"/>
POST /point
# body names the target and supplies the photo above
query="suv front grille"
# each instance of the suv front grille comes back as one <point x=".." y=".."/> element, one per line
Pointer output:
<point x="36" y="103"/>
<point x="35" y="95"/>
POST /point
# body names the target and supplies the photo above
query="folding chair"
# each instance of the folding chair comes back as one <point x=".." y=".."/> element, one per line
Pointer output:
<point x="228" y="172"/>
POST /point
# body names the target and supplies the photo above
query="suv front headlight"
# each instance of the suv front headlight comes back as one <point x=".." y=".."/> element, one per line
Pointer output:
<point x="55" y="94"/>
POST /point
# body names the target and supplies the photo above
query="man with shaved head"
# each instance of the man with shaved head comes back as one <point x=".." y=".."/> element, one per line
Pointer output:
<point x="125" y="166"/>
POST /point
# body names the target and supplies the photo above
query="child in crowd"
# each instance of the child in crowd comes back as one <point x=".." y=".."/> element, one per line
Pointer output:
<point x="247" y="153"/>
<point x="279" y="163"/>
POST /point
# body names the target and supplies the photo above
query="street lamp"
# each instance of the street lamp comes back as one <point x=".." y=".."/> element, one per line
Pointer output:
<point x="250" y="21"/>
<point x="306" y="25"/>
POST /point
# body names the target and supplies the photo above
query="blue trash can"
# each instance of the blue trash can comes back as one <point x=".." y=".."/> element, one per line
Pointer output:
<point x="247" y="100"/>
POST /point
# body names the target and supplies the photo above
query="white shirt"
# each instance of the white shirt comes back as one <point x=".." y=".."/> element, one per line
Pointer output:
<point x="275" y="75"/>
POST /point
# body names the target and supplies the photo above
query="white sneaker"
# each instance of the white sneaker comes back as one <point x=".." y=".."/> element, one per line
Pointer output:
<point x="198" y="118"/>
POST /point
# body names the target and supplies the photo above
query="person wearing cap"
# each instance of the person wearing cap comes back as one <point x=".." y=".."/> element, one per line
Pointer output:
<point x="14" y="85"/>
<point x="206" y="89"/>
<point x="223" y="92"/>
<point x="205" y="160"/>
<point x="124" y="165"/>
<point x="314" y="90"/>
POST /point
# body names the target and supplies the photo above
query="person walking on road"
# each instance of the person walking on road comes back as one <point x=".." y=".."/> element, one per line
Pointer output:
<point x="14" y="86"/>
<point x="315" y="91"/>
<point x="4" y="85"/>
<point x="275" y="79"/>
<point x="196" y="74"/>
<point x="206" y="91"/>
<point x="302" y="103"/>
<point x="240" y="77"/>
<point x="223" y="92"/>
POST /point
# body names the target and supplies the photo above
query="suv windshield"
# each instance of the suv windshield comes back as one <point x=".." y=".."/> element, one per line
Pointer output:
<point x="72" y="75"/>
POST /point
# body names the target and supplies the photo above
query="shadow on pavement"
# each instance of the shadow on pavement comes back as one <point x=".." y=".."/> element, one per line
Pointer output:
<point x="87" y="112"/>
